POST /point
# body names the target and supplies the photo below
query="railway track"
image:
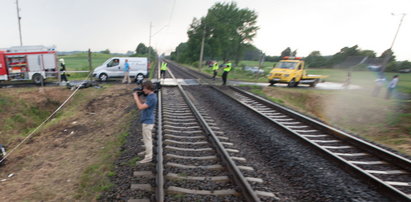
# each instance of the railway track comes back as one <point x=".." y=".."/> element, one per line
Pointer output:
<point x="194" y="160"/>
<point x="391" y="173"/>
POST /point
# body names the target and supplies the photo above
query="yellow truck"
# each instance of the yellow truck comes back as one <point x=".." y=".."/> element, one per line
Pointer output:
<point x="291" y="71"/>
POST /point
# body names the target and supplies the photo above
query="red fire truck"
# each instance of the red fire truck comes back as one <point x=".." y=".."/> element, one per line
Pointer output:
<point x="35" y="63"/>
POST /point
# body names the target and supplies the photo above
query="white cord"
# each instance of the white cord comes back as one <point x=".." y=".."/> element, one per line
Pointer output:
<point x="45" y="121"/>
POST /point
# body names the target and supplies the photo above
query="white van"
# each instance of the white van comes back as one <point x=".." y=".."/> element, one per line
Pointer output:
<point x="114" y="68"/>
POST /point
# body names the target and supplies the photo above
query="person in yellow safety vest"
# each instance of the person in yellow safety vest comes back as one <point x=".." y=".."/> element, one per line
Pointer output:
<point x="227" y="68"/>
<point x="215" y="68"/>
<point x="163" y="69"/>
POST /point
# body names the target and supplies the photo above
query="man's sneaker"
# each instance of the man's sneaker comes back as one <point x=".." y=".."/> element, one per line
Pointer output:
<point x="145" y="161"/>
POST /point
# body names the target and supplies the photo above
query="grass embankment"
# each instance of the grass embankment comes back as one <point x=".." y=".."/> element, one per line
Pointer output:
<point x="20" y="113"/>
<point x="71" y="157"/>
<point x="386" y="122"/>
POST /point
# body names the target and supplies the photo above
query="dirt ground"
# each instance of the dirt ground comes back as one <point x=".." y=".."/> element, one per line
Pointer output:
<point x="51" y="164"/>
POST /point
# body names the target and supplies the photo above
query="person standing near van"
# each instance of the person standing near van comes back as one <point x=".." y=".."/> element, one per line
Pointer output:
<point x="147" y="117"/>
<point x="163" y="69"/>
<point x="227" y="68"/>
<point x="126" y="72"/>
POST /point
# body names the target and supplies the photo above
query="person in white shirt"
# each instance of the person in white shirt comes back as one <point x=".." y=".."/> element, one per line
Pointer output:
<point x="391" y="86"/>
<point x="379" y="83"/>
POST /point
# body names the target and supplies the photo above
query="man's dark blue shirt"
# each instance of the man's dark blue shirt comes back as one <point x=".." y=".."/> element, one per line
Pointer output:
<point x="147" y="115"/>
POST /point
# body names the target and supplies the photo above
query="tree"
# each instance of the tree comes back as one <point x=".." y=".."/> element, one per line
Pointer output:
<point x="227" y="29"/>
<point x="107" y="51"/>
<point x="404" y="65"/>
<point x="343" y="54"/>
<point x="251" y="53"/>
<point x="294" y="53"/>
<point x="272" y="58"/>
<point x="314" y="59"/>
<point x="286" y="52"/>
<point x="141" y="49"/>
<point x="181" y="53"/>
<point x="367" y="53"/>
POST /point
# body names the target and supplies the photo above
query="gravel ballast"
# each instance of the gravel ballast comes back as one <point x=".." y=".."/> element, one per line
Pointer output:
<point x="291" y="169"/>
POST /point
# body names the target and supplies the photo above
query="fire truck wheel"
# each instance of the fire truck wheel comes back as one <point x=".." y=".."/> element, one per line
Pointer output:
<point x="103" y="77"/>
<point x="37" y="79"/>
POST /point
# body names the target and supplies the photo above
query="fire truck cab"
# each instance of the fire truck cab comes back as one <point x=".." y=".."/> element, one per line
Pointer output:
<point x="35" y="63"/>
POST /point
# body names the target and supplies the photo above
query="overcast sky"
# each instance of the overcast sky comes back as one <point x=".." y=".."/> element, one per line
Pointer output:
<point x="119" y="25"/>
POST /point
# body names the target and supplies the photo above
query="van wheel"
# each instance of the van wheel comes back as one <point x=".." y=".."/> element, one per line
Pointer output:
<point x="38" y="79"/>
<point x="139" y="77"/>
<point x="103" y="77"/>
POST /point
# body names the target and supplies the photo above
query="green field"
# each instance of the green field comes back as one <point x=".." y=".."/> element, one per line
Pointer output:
<point x="79" y="62"/>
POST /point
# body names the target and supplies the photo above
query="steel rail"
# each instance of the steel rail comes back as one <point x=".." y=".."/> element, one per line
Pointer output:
<point x="379" y="152"/>
<point x="160" y="164"/>
<point x="159" y="192"/>
<point x="246" y="190"/>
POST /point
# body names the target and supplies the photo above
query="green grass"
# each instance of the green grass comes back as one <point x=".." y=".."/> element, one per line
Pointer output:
<point x="24" y="117"/>
<point x="133" y="161"/>
<point x="79" y="62"/>
<point x="386" y="122"/>
<point x="95" y="178"/>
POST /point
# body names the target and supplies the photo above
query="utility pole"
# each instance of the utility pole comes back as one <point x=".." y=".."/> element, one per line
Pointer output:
<point x="202" y="50"/>
<point x="18" y="19"/>
<point x="149" y="44"/>
<point x="388" y="55"/>
<point x="398" y="29"/>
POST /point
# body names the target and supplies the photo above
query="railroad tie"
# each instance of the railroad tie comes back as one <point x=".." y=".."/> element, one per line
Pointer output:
<point x="224" y="192"/>
<point x="191" y="157"/>
<point x="198" y="178"/>
<point x="211" y="167"/>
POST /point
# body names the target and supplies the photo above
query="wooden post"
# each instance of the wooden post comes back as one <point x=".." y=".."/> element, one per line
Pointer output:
<point x="89" y="64"/>
<point x="58" y="71"/>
